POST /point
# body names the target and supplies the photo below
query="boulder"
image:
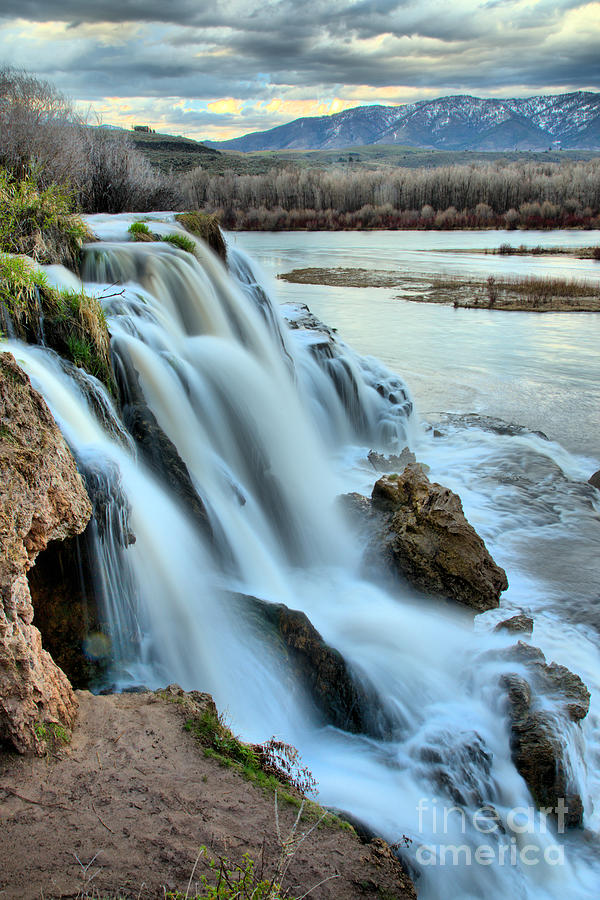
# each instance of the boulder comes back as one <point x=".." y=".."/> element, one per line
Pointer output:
<point x="343" y="697"/>
<point x="426" y="538"/>
<point x="516" y="624"/>
<point x="594" y="480"/>
<point x="42" y="498"/>
<point x="537" y="727"/>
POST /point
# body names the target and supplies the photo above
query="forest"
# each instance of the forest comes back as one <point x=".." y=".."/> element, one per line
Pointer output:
<point x="511" y="195"/>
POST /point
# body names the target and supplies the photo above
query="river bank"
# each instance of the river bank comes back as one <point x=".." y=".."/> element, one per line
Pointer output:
<point x="123" y="810"/>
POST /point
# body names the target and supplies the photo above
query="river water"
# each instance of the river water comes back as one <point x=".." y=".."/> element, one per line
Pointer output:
<point x="269" y="443"/>
<point x="539" y="370"/>
<point x="526" y="495"/>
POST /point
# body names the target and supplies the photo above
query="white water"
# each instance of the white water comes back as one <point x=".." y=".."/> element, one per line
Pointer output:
<point x="269" y="446"/>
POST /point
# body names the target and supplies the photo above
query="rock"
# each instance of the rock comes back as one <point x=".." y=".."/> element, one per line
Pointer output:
<point x="391" y="463"/>
<point x="518" y="623"/>
<point x="42" y="498"/>
<point x="428" y="540"/>
<point x="537" y="731"/>
<point x="595" y="480"/>
<point x="155" y="448"/>
<point x="343" y="698"/>
<point x="66" y="610"/>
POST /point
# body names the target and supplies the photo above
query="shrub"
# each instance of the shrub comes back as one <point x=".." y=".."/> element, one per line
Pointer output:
<point x="41" y="133"/>
<point x="115" y="177"/>
<point x="38" y="128"/>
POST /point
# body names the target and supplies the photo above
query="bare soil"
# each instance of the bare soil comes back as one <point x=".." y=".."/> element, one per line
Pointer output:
<point x="123" y="810"/>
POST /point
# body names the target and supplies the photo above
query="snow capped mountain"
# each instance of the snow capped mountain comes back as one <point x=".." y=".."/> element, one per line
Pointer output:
<point x="571" y="121"/>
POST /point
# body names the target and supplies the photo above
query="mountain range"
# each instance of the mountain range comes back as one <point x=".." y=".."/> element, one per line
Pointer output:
<point x="567" y="121"/>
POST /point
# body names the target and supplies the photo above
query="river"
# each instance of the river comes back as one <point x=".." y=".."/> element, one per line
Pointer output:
<point x="539" y="370"/>
<point x="269" y="442"/>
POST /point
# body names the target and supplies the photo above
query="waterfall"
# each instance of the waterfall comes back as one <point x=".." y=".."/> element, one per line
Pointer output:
<point x="263" y="422"/>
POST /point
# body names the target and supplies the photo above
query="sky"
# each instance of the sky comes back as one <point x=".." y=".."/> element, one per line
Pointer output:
<point x="215" y="70"/>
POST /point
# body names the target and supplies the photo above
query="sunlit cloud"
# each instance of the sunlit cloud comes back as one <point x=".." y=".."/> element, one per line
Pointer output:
<point x="229" y="106"/>
<point x="222" y="70"/>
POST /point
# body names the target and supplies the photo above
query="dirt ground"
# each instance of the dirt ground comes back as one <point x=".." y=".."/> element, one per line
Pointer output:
<point x="123" y="810"/>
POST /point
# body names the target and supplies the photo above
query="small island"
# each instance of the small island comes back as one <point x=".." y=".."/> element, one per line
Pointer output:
<point x="528" y="294"/>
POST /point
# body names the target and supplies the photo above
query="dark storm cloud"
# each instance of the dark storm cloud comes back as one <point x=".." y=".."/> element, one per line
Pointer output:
<point x="251" y="51"/>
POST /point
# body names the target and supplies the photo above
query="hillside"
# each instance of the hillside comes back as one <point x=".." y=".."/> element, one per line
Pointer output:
<point x="563" y="121"/>
<point x="172" y="152"/>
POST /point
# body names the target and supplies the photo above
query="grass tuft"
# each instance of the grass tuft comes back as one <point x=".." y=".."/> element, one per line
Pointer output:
<point x="180" y="241"/>
<point x="40" y="222"/>
<point x="71" y="322"/>
<point x="205" y="226"/>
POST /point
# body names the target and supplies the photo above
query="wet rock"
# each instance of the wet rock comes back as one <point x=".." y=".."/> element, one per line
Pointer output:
<point x="427" y="539"/>
<point x="541" y="707"/>
<point x="42" y="498"/>
<point x="156" y="449"/>
<point x="66" y="610"/>
<point x="391" y="463"/>
<point x="516" y="624"/>
<point x="595" y="480"/>
<point x="343" y="697"/>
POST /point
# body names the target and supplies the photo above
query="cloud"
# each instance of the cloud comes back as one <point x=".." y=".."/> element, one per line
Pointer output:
<point x="256" y="65"/>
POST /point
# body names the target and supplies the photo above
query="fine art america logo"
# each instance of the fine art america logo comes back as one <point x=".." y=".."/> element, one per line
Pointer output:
<point x="523" y="837"/>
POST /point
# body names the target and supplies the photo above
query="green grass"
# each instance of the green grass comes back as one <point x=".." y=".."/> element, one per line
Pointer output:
<point x="52" y="734"/>
<point x="180" y="241"/>
<point x="219" y="743"/>
<point x="204" y="226"/>
<point x="20" y="286"/>
<point x="74" y="323"/>
<point x="40" y="223"/>
<point x="138" y="228"/>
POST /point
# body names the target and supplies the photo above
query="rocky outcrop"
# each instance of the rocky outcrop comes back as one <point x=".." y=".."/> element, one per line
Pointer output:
<point x="540" y="707"/>
<point x="343" y="697"/>
<point x="420" y="532"/>
<point x="594" y="480"/>
<point x="42" y="498"/>
<point x="516" y="624"/>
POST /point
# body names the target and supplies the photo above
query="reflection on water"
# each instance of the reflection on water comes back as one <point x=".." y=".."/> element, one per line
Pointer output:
<point x="541" y="370"/>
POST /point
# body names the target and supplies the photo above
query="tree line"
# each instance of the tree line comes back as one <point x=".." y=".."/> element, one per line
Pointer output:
<point x="510" y="195"/>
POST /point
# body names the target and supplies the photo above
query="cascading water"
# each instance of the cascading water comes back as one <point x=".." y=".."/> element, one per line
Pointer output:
<point x="270" y="422"/>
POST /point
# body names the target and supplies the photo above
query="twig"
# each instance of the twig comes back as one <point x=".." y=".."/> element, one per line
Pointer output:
<point x="193" y="872"/>
<point x="10" y="790"/>
<point x="315" y="886"/>
<point x="102" y="822"/>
